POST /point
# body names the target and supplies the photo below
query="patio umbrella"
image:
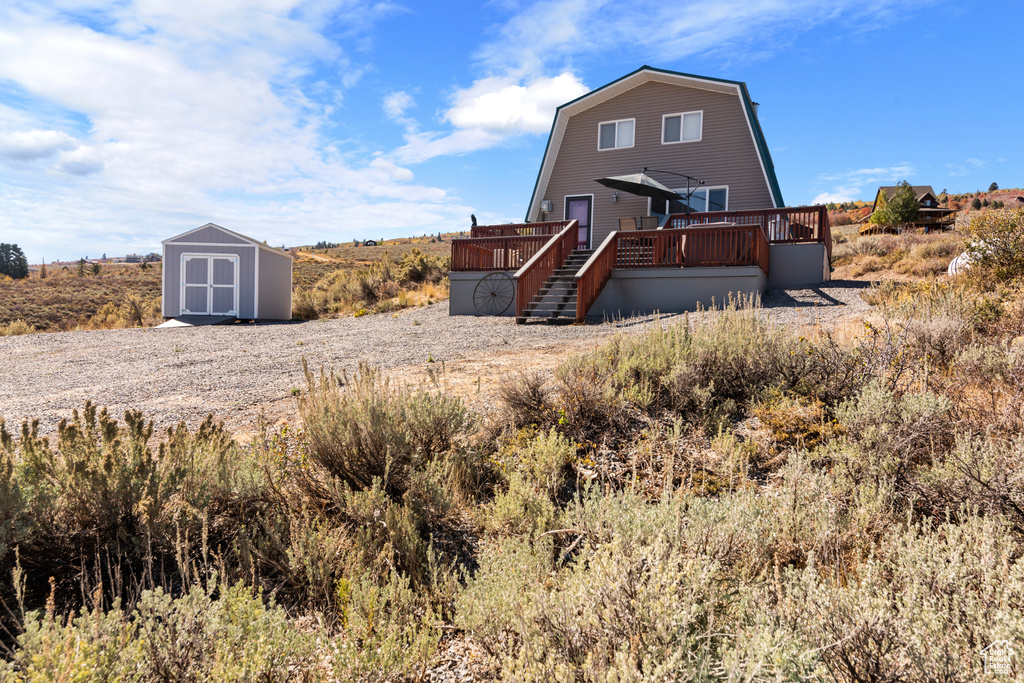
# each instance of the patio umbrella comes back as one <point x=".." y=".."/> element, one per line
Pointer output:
<point x="639" y="184"/>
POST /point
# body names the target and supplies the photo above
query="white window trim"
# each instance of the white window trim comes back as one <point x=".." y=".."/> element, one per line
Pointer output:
<point x="617" y="146"/>
<point x="682" y="191"/>
<point x="681" y="115"/>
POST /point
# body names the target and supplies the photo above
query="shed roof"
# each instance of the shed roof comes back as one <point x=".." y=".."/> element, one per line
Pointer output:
<point x="647" y="74"/>
<point x="232" y="233"/>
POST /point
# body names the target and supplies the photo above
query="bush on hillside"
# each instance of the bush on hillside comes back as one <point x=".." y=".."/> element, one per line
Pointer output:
<point x="996" y="243"/>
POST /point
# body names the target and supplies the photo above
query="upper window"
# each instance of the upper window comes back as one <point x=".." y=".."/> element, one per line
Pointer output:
<point x="685" y="127"/>
<point x="615" y="134"/>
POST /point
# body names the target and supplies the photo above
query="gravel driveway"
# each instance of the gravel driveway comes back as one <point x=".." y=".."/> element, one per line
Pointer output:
<point x="232" y="371"/>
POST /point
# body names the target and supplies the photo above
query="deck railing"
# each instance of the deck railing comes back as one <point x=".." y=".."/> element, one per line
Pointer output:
<point x="781" y="226"/>
<point x="513" y="229"/>
<point x="495" y="253"/>
<point x="727" y="245"/>
<point x="594" y="274"/>
<point x="542" y="265"/>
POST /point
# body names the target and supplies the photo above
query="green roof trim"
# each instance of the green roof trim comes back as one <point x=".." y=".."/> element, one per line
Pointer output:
<point x="759" y="142"/>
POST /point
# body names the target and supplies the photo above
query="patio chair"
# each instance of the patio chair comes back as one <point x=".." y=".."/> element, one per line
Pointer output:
<point x="627" y="224"/>
<point x="648" y="222"/>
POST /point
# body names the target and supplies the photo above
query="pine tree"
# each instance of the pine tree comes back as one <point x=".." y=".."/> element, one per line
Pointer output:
<point x="993" y="187"/>
<point x="899" y="209"/>
<point x="13" y="262"/>
<point x="976" y="204"/>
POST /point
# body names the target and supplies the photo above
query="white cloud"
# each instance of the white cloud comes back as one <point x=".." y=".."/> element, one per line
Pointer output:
<point x="555" y="31"/>
<point x="34" y="144"/>
<point x="518" y="96"/>
<point x="965" y="168"/>
<point x="837" y="197"/>
<point x="166" y="113"/>
<point x="861" y="183"/>
<point x="505" y="105"/>
<point x="397" y="103"/>
<point x="874" y="175"/>
<point x="82" y="161"/>
<point x="491" y="111"/>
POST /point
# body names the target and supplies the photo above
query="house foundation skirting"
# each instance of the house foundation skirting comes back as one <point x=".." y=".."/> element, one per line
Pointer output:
<point x="462" y="285"/>
<point x="795" y="266"/>
<point x="643" y="291"/>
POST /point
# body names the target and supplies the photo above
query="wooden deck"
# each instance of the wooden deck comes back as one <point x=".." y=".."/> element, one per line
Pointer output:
<point x="710" y="239"/>
<point x="712" y="246"/>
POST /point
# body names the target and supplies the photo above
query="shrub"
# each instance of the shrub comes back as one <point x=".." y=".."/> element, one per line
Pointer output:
<point x="361" y="427"/>
<point x="235" y="637"/>
<point x="997" y="243"/>
<point x="527" y="400"/>
<point x="534" y="467"/>
<point x="702" y="374"/>
<point x="894" y="436"/>
<point x="15" y="328"/>
<point x="101" y="508"/>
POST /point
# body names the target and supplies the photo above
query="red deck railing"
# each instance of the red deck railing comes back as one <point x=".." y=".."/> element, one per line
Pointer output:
<point x="532" y="276"/>
<point x="594" y="275"/>
<point x="513" y="229"/>
<point x="495" y="253"/>
<point x="781" y="226"/>
<point x="727" y="245"/>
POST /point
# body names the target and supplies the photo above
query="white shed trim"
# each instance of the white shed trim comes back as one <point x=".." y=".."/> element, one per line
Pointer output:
<point x="256" y="292"/>
<point x="234" y="258"/>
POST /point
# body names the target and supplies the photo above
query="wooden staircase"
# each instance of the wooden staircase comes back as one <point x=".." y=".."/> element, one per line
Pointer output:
<point x="556" y="300"/>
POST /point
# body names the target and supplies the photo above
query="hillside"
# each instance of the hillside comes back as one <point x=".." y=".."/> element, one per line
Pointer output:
<point x="846" y="213"/>
<point x="127" y="295"/>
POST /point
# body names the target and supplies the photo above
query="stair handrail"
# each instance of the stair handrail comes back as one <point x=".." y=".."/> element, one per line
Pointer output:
<point x="535" y="272"/>
<point x="594" y="275"/>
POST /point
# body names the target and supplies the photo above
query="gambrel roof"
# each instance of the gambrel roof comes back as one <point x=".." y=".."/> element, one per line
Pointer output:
<point x="646" y="74"/>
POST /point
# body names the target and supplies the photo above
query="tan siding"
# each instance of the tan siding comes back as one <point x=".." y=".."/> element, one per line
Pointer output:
<point x="725" y="155"/>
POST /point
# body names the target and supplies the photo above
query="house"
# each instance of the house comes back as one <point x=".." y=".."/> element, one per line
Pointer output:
<point x="630" y="253"/>
<point x="705" y="128"/>
<point x="212" y="271"/>
<point x="929" y="214"/>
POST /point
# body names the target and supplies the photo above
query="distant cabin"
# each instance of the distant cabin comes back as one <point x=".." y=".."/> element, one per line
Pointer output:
<point x="213" y="271"/>
<point x="930" y="214"/>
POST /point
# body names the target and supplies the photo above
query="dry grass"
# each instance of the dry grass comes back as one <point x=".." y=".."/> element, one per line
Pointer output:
<point x="126" y="295"/>
<point x="909" y="255"/>
<point x="65" y="301"/>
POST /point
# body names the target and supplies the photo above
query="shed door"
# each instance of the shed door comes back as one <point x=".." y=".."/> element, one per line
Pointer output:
<point x="209" y="284"/>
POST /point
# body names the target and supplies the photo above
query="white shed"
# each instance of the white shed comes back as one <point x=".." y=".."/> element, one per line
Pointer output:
<point x="214" y="271"/>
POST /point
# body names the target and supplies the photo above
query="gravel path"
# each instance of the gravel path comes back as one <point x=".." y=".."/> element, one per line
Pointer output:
<point x="233" y="371"/>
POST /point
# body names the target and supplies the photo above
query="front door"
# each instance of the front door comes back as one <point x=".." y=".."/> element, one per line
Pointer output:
<point x="209" y="284"/>
<point x="580" y="209"/>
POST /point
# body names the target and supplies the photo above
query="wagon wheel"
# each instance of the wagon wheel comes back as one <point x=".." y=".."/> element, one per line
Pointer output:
<point x="493" y="295"/>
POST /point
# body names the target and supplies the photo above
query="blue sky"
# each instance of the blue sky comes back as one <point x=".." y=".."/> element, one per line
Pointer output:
<point x="124" y="123"/>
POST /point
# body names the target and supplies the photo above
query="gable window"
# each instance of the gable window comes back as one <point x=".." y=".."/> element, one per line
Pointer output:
<point x="684" y="127"/>
<point x="703" y="199"/>
<point x="615" y="134"/>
